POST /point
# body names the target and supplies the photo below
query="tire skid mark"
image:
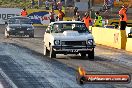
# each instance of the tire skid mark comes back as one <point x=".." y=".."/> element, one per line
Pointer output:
<point x="53" y="62"/>
<point x="50" y="72"/>
<point x="17" y="74"/>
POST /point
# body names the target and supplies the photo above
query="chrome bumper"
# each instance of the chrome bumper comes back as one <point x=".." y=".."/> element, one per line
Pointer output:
<point x="73" y="49"/>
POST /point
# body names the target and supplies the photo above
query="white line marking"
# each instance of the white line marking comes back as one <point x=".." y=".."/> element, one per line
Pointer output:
<point x="1" y="86"/>
<point x="7" y="79"/>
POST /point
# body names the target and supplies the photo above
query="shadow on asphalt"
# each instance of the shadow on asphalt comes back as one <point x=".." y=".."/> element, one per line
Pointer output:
<point x="75" y="57"/>
<point x="102" y="59"/>
<point x="96" y="58"/>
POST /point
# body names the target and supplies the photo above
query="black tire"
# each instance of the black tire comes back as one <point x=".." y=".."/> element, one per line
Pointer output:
<point x="31" y="36"/>
<point x="52" y="53"/>
<point x="46" y="51"/>
<point x="91" y="55"/>
<point x="83" y="54"/>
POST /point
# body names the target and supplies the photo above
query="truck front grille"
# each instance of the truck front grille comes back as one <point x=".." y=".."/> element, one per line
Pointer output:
<point x="74" y="43"/>
<point x="21" y="29"/>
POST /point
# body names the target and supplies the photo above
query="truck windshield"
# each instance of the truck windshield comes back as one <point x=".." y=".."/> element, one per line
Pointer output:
<point x="61" y="27"/>
<point x="19" y="21"/>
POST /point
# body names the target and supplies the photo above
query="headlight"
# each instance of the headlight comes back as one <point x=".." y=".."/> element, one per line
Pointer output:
<point x="57" y="42"/>
<point x="90" y="42"/>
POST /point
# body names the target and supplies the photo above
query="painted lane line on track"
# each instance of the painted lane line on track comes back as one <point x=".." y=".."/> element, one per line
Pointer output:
<point x="1" y="86"/>
<point x="7" y="79"/>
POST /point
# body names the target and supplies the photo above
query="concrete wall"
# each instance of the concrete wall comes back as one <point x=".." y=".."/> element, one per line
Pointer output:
<point x="108" y="37"/>
<point x="112" y="37"/>
<point x="129" y="44"/>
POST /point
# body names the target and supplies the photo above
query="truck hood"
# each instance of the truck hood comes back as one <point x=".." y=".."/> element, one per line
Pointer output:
<point x="71" y="36"/>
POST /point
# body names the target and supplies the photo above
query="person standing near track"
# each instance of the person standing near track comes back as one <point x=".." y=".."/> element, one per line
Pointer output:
<point x="24" y="12"/>
<point x="77" y="17"/>
<point x="59" y="5"/>
<point x="123" y="18"/>
<point x="98" y="20"/>
<point x="47" y="4"/>
<point x="51" y="13"/>
<point x="60" y="15"/>
<point x="87" y="20"/>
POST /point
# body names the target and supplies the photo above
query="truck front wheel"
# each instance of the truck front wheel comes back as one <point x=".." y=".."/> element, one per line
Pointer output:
<point x="46" y="51"/>
<point x="91" y="55"/>
<point x="83" y="54"/>
<point x="52" y="53"/>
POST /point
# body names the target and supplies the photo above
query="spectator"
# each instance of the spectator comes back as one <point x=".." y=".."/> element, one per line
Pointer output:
<point x="98" y="20"/>
<point x="87" y="20"/>
<point x="63" y="2"/>
<point x="75" y="10"/>
<point x="54" y="5"/>
<point x="60" y="15"/>
<point x="24" y="12"/>
<point x="111" y="3"/>
<point x="105" y="4"/>
<point x="77" y="17"/>
<point x="40" y="3"/>
<point x="51" y="13"/>
<point x="59" y="4"/>
<point x="123" y="18"/>
<point x="47" y="5"/>
<point x="32" y="3"/>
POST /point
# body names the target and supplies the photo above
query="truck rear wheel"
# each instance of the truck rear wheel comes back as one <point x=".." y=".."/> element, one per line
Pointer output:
<point x="83" y="54"/>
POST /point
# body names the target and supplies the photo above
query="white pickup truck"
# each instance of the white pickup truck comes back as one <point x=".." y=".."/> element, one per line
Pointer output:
<point x="68" y="37"/>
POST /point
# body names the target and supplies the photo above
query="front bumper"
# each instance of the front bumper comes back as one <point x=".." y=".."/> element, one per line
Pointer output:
<point x="72" y="49"/>
<point x="21" y="32"/>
